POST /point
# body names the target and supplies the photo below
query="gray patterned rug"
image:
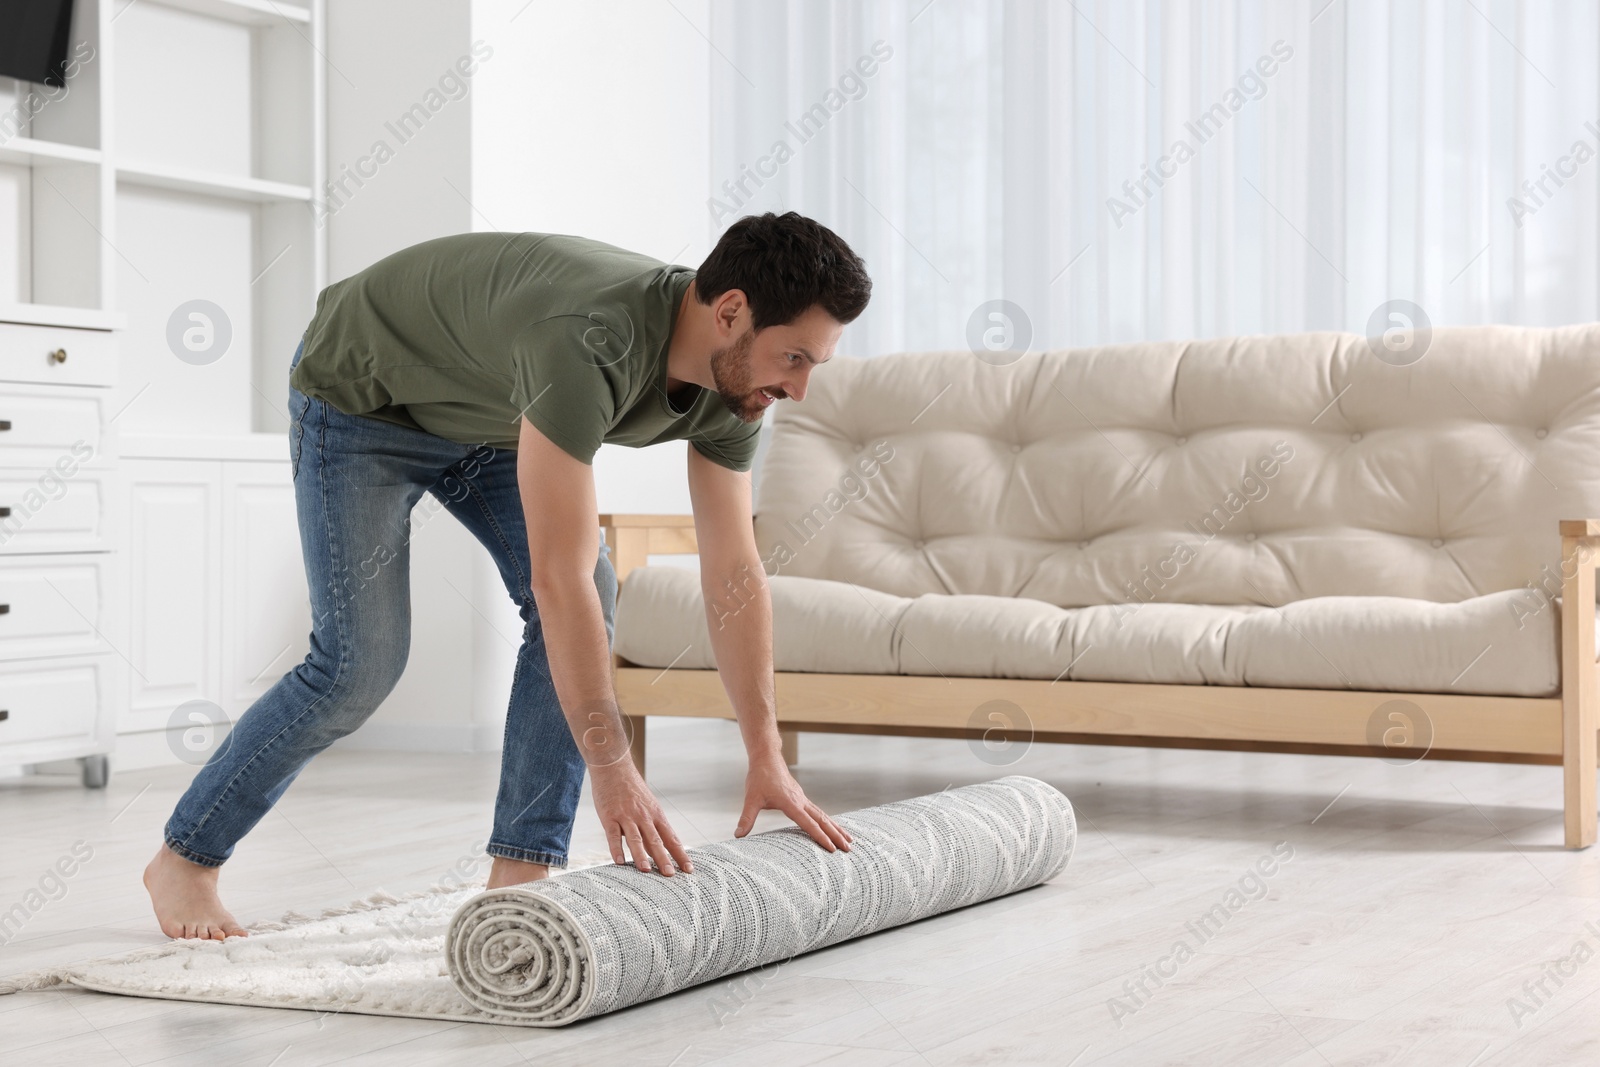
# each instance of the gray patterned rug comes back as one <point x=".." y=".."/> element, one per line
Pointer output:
<point x="594" y="940"/>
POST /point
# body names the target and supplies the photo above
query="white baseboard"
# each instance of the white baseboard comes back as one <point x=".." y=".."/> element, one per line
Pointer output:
<point x="146" y="749"/>
<point x="150" y="748"/>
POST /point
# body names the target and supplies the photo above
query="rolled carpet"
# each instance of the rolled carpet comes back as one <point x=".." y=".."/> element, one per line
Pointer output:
<point x="593" y="941"/>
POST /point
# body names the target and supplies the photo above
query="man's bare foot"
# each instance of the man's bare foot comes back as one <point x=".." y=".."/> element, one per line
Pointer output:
<point x="514" y="872"/>
<point x="185" y="898"/>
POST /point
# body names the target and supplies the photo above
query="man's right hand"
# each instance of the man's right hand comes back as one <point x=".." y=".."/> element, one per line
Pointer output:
<point x="563" y="544"/>
<point x="630" y="813"/>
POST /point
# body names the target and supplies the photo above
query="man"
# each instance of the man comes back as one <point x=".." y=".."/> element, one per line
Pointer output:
<point x="487" y="369"/>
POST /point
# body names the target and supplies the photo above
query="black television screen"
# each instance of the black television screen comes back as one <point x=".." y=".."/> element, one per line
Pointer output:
<point x="33" y="39"/>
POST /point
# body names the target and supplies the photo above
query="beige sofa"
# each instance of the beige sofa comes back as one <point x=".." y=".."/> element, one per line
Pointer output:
<point x="1278" y="543"/>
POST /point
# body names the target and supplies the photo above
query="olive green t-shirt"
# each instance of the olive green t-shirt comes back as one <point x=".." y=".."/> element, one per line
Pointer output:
<point x="461" y="336"/>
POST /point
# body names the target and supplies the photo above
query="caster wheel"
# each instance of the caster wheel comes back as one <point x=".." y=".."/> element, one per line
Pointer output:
<point x="96" y="771"/>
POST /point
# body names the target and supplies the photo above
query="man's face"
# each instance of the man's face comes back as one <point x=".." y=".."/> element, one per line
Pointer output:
<point x="775" y="362"/>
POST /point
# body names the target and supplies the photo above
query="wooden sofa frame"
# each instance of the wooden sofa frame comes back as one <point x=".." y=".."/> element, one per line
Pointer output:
<point x="1550" y="730"/>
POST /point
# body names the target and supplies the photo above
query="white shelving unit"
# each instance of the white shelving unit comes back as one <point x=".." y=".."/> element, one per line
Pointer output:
<point x="206" y="183"/>
<point x="178" y="166"/>
<point x="180" y="163"/>
<point x="25" y="150"/>
<point x="246" y="12"/>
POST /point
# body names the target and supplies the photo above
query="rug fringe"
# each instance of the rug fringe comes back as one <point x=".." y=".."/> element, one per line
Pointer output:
<point x="380" y="899"/>
<point x="383" y="899"/>
<point x="28" y="981"/>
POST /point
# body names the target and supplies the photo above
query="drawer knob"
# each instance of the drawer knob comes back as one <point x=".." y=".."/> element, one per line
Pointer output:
<point x="5" y="424"/>
<point x="5" y="609"/>
<point x="58" y="356"/>
<point x="4" y="714"/>
<point x="5" y="513"/>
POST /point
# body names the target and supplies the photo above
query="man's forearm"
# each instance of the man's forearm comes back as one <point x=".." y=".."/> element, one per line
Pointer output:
<point x="574" y="628"/>
<point x="739" y="614"/>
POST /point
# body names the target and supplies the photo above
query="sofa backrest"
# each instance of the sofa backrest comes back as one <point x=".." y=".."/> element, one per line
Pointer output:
<point x="1246" y="470"/>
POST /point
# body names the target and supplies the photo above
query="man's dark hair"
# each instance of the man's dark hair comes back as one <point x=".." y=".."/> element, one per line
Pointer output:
<point x="784" y="264"/>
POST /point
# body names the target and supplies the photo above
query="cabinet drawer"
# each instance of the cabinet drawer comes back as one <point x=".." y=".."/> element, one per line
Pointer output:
<point x="41" y="427"/>
<point x="49" y="703"/>
<point x="32" y="354"/>
<point x="53" y="605"/>
<point x="63" y="509"/>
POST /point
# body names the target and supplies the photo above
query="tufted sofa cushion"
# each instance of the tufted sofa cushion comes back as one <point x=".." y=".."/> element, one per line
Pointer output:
<point x="1278" y="511"/>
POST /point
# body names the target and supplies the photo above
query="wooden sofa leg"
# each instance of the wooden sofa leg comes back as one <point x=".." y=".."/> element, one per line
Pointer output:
<point x="1580" y="701"/>
<point x="1578" y="766"/>
<point x="791" y="746"/>
<point x="1578" y="770"/>
<point x="635" y="727"/>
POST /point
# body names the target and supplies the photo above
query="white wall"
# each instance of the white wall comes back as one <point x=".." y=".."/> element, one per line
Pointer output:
<point x="595" y="120"/>
<point x="592" y="120"/>
<point x="383" y="57"/>
<point x="580" y="119"/>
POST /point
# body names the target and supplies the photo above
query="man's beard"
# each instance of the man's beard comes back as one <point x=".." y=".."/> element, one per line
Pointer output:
<point x="730" y="372"/>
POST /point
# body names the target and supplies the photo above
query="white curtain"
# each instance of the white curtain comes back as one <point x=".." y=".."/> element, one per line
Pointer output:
<point x="1340" y="155"/>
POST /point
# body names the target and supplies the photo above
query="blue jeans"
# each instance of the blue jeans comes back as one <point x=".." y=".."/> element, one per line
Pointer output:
<point x="356" y="480"/>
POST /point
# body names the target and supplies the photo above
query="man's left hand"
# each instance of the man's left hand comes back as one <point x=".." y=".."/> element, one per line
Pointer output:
<point x="770" y="785"/>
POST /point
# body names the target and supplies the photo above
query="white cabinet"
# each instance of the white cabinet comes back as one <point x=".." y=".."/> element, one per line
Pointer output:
<point x="47" y="512"/>
<point x="58" y="605"/>
<point x="217" y="599"/>
<point x="266" y="608"/>
<point x="174" y="587"/>
<point x="54" y="709"/>
<point x="62" y="622"/>
<point x="180" y="178"/>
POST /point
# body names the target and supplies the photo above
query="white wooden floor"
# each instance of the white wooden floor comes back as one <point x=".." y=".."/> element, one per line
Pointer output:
<point x="1428" y="916"/>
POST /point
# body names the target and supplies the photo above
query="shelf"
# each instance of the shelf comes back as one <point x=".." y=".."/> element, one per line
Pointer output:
<point x="247" y="12"/>
<point x="74" y="318"/>
<point x="209" y="183"/>
<point x="26" y="150"/>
